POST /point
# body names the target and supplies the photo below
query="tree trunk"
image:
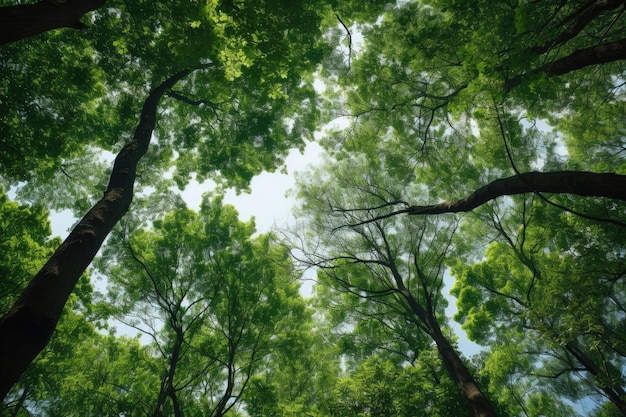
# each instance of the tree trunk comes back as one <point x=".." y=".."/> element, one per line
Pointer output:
<point x="476" y="400"/>
<point x="614" y="392"/>
<point x="19" y="22"/>
<point x="27" y="327"/>
<point x="599" y="54"/>
<point x="577" y="21"/>
<point x="581" y="183"/>
<point x="167" y="385"/>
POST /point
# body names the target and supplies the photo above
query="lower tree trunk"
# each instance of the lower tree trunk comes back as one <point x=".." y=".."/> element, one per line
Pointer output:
<point x="19" y="22"/>
<point x="614" y="392"/>
<point x="27" y="327"/>
<point x="477" y="401"/>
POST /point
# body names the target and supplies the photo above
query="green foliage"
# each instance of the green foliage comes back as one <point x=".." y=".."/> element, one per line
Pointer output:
<point x="441" y="97"/>
<point x="379" y="387"/>
<point x="546" y="291"/>
<point x="24" y="246"/>
<point x="65" y="91"/>
<point x="209" y="296"/>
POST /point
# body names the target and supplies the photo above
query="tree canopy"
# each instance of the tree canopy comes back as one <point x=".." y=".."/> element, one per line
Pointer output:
<point x="471" y="189"/>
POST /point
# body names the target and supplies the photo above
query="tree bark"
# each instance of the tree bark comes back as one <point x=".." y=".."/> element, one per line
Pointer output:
<point x="581" y="183"/>
<point x="19" y="22"/>
<point x="599" y="54"/>
<point x="476" y="400"/>
<point x="27" y="327"/>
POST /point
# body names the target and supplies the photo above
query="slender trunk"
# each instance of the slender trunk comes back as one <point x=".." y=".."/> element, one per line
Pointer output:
<point x="167" y="385"/>
<point x="221" y="405"/>
<point x="614" y="392"/>
<point x="476" y="400"/>
<point x="19" y="22"/>
<point x="581" y="183"/>
<point x="20" y="403"/>
<point x="178" y="411"/>
<point x="27" y="327"/>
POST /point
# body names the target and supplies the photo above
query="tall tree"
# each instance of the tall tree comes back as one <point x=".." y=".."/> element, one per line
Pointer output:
<point x="560" y="294"/>
<point x="270" y="45"/>
<point x="29" y="324"/>
<point x="396" y="265"/>
<point x="25" y="244"/>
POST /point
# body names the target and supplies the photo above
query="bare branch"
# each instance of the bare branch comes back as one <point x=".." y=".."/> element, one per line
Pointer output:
<point x="349" y="34"/>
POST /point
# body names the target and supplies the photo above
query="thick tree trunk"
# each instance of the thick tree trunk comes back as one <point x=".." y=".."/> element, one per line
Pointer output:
<point x="581" y="183"/>
<point x="27" y="327"/>
<point x="19" y="22"/>
<point x="477" y="401"/>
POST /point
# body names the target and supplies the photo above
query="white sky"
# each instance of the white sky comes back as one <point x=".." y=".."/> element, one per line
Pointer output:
<point x="267" y="202"/>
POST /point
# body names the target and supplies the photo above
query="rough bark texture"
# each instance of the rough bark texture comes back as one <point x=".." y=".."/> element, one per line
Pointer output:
<point x="27" y="327"/>
<point x="19" y="22"/>
<point x="581" y="183"/>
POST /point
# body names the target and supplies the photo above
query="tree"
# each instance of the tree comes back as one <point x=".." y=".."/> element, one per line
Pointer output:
<point x="29" y="324"/>
<point x="25" y="244"/>
<point x="301" y="372"/>
<point x="560" y="298"/>
<point x="395" y="265"/>
<point x="213" y="300"/>
<point x="248" y="45"/>
<point x="380" y="387"/>
<point x="21" y="21"/>
<point x="437" y="75"/>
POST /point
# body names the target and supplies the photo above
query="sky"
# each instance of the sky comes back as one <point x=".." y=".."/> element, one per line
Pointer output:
<point x="268" y="202"/>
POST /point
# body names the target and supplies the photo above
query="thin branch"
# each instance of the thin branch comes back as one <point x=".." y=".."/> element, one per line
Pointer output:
<point x="349" y="34"/>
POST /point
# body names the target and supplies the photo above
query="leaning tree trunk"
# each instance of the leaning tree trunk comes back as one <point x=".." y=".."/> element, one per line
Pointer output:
<point x="476" y="400"/>
<point x="613" y="391"/>
<point x="27" y="327"/>
<point x="19" y="22"/>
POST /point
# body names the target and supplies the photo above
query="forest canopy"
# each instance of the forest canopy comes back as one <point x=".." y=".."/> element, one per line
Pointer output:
<point x="471" y="189"/>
